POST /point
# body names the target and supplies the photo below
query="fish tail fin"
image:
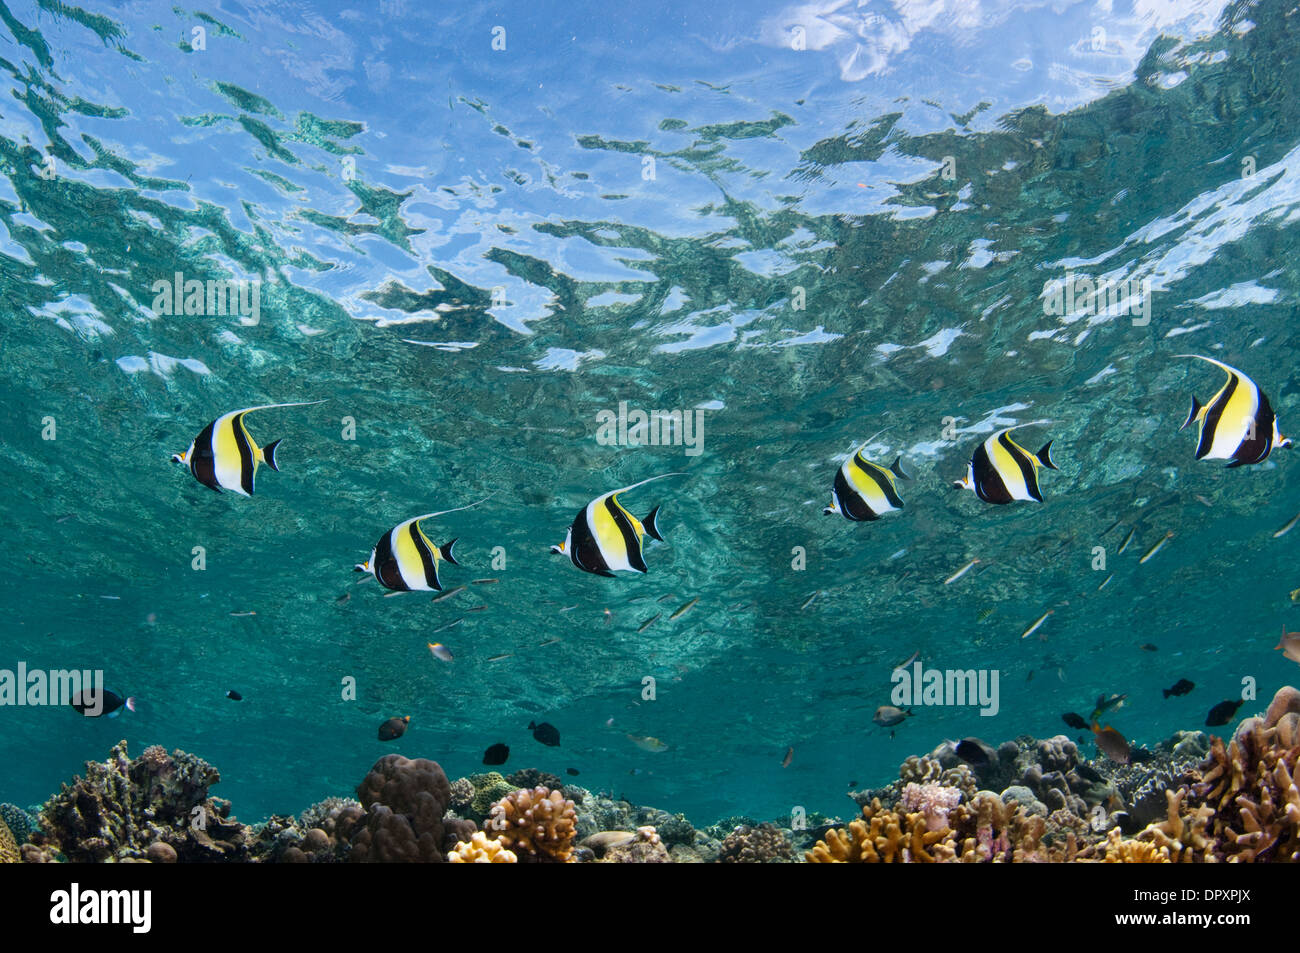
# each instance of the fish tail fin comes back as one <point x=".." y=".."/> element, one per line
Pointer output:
<point x="532" y="725"/>
<point x="1165" y="692"/>
<point x="651" y="524"/>
<point x="1044" y="456"/>
<point x="897" y="468"/>
<point x="130" y="704"/>
<point x="268" y="454"/>
<point x="447" y="552"/>
<point x="1192" y="414"/>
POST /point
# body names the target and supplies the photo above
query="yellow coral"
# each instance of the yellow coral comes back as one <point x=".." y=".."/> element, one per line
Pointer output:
<point x="480" y="850"/>
<point x="1120" y="851"/>
<point x="882" y="837"/>
<point x="9" y="853"/>
<point x="538" y="825"/>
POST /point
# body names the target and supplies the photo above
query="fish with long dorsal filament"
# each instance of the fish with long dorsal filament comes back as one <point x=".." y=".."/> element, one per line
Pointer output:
<point x="404" y="559"/>
<point x="865" y="491"/>
<point x="605" y="538"/>
<point x="1238" y="424"/>
<point x="1000" y="470"/>
<point x="224" y="456"/>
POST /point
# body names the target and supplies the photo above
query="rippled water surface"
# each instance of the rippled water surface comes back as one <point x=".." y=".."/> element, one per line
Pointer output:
<point x="812" y="222"/>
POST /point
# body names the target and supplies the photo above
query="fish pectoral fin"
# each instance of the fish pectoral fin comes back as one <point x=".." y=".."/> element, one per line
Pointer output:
<point x="267" y="453"/>
<point x="1192" y="414"/>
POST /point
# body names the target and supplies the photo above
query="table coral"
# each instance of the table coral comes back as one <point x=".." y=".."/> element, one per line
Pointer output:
<point x="538" y="825"/>
<point x="480" y="849"/>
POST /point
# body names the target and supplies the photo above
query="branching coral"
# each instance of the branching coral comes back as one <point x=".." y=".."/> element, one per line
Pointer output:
<point x="880" y="836"/>
<point x="538" y="825"/>
<point x="480" y="849"/>
<point x="1253" y="786"/>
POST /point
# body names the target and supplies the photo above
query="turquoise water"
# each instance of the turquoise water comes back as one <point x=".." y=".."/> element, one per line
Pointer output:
<point x="914" y="177"/>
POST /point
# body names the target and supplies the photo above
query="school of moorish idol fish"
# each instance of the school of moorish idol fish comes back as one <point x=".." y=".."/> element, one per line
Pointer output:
<point x="1237" y="425"/>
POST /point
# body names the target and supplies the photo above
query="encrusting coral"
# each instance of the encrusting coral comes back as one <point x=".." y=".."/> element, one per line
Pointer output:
<point x="539" y="825"/>
<point x="480" y="849"/>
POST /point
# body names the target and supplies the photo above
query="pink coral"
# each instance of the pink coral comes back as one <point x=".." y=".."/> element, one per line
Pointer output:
<point x="935" y="801"/>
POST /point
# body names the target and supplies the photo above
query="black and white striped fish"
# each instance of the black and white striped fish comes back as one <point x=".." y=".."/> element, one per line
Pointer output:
<point x="405" y="560"/>
<point x="1001" y="470"/>
<point x="864" y="490"/>
<point x="605" y="538"/>
<point x="224" y="457"/>
<point x="1238" y="424"/>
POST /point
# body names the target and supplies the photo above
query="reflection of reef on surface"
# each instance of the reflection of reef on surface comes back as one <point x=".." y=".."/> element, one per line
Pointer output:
<point x="1193" y="799"/>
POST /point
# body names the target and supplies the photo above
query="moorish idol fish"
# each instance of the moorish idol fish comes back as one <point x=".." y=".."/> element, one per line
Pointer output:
<point x="864" y="490"/>
<point x="224" y="457"/>
<point x="1001" y="470"/>
<point x="405" y="561"/>
<point x="1238" y="424"/>
<point x="605" y="538"/>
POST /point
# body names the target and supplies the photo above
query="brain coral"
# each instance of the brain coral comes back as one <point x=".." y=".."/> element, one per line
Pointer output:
<point x="538" y="825"/>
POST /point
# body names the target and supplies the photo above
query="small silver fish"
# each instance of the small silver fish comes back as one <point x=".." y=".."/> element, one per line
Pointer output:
<point x="1106" y="582"/>
<point x="448" y="594"/>
<point x="809" y="601"/>
<point x="1288" y="527"/>
<point x="961" y="572"/>
<point x="1157" y="547"/>
<point x="449" y="624"/>
<point x="497" y="658"/>
<point x="649" y="622"/>
<point x="440" y="651"/>
<point x="1127" y="539"/>
<point x="915" y="655"/>
<point x="684" y="609"/>
<point x="1034" y="628"/>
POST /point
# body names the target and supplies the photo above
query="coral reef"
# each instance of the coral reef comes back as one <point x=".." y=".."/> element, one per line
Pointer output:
<point x="764" y="844"/>
<point x="644" y="847"/>
<point x="404" y="800"/>
<point x="488" y="790"/>
<point x="479" y="849"/>
<point x="122" y="806"/>
<point x="1252" y="785"/>
<point x="538" y="825"/>
<point x="19" y="822"/>
<point x="9" y="852"/>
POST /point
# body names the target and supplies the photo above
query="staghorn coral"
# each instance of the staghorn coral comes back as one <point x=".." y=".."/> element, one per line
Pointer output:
<point x="538" y="825"/>
<point x="122" y="806"/>
<point x="764" y="844"/>
<point x="1252" y="786"/>
<point x="405" y="800"/>
<point x="480" y="849"/>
